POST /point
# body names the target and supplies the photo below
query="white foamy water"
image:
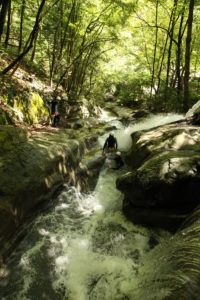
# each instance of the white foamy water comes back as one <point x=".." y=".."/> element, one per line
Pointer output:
<point x="110" y="119"/>
<point x="123" y="134"/>
<point x="84" y="248"/>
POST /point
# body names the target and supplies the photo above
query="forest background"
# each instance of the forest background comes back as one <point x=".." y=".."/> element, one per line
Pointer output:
<point x="145" y="53"/>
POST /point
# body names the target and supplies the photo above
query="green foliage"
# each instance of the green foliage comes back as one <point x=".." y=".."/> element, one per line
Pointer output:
<point x="130" y="64"/>
<point x="86" y="46"/>
<point x="4" y="118"/>
<point x="166" y="101"/>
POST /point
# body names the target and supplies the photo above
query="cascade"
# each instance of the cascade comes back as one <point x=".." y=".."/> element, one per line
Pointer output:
<point x="83" y="248"/>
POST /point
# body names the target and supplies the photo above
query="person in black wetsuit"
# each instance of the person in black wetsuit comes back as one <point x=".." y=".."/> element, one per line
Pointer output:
<point x="55" y="112"/>
<point x="110" y="144"/>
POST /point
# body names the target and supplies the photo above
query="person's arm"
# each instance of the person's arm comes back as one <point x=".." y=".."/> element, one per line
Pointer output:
<point x="105" y="144"/>
<point x="116" y="144"/>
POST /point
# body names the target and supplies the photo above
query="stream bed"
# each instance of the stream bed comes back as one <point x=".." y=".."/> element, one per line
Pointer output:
<point x="83" y="248"/>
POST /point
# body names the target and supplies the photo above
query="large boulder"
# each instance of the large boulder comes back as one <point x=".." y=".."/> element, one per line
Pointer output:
<point x="93" y="162"/>
<point x="32" y="167"/>
<point x="122" y="112"/>
<point x="163" y="185"/>
<point x="34" y="164"/>
<point x="31" y="110"/>
<point x="8" y="115"/>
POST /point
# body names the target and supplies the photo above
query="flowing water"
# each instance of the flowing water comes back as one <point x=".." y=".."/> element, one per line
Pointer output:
<point x="83" y="248"/>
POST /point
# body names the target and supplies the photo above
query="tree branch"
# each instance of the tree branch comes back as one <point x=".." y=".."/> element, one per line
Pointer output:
<point x="31" y="38"/>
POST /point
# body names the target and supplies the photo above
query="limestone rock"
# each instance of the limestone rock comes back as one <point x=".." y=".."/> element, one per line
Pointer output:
<point x="8" y="115"/>
<point x="140" y="114"/>
<point x="164" y="179"/>
<point x="31" y="169"/>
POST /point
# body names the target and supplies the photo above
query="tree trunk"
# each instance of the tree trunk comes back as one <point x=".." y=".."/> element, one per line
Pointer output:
<point x="170" y="47"/>
<point x="53" y="62"/>
<point x="34" y="47"/>
<point x="164" y="51"/>
<point x="21" y="26"/>
<point x="187" y="57"/>
<point x="3" y="13"/>
<point x="83" y="71"/>
<point x="155" y="50"/>
<point x="8" y="24"/>
<point x="31" y="39"/>
<point x="63" y="39"/>
<point x="146" y="51"/>
<point x="179" y="52"/>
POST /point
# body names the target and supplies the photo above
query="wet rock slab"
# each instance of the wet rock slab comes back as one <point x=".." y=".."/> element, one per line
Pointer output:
<point x="32" y="167"/>
<point x="163" y="185"/>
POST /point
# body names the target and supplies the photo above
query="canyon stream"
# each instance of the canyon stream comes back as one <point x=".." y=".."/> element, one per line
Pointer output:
<point x="83" y="248"/>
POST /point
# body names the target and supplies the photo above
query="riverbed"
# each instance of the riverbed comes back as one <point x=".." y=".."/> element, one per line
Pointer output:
<point x="83" y="248"/>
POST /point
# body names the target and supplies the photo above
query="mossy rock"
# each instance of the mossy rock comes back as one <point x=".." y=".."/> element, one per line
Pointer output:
<point x="33" y="110"/>
<point x="166" y="180"/>
<point x="168" y="137"/>
<point x="37" y="112"/>
<point x="11" y="136"/>
<point x="9" y="116"/>
<point x="164" y="177"/>
<point x="32" y="167"/>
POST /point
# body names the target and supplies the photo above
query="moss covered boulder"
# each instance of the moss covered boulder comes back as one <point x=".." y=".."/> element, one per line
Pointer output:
<point x="37" y="111"/>
<point x="30" y="110"/>
<point x="8" y="115"/>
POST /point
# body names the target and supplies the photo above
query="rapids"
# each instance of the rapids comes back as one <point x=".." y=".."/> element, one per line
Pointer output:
<point x="83" y="248"/>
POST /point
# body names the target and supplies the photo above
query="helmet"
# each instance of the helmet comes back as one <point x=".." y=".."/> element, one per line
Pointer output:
<point x="118" y="153"/>
<point x="112" y="133"/>
<point x="58" y="98"/>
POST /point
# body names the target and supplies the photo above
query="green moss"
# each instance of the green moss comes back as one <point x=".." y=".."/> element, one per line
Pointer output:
<point x="5" y="119"/>
<point x="37" y="112"/>
<point x="33" y="110"/>
<point x="19" y="105"/>
<point x="11" y="136"/>
<point x="4" y="98"/>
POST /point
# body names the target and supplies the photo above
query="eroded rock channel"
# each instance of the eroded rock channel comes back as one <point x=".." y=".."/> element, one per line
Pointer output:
<point x="84" y="247"/>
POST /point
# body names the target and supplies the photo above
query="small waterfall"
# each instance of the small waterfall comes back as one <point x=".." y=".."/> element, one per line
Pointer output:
<point x="83" y="249"/>
<point x="123" y="134"/>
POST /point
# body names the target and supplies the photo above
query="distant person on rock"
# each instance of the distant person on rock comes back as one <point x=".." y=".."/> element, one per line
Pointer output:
<point x="55" y="111"/>
<point x="110" y="144"/>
